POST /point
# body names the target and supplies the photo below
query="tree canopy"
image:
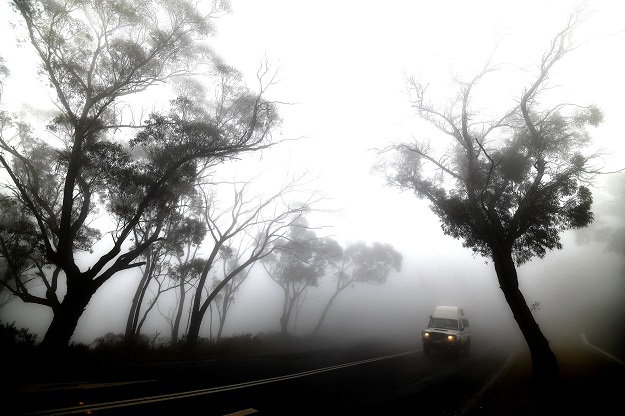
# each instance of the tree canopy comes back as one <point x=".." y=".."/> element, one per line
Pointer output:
<point x="507" y="188"/>
<point x="91" y="163"/>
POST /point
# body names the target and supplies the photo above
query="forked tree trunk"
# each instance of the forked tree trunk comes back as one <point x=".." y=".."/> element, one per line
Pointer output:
<point x="132" y="331"/>
<point x="544" y="363"/>
<point x="67" y="314"/>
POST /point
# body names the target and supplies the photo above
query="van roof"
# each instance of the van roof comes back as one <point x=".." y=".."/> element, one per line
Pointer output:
<point x="451" y="312"/>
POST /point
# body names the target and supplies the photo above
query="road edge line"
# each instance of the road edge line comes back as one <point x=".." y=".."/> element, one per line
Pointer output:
<point x="486" y="386"/>
<point x="599" y="351"/>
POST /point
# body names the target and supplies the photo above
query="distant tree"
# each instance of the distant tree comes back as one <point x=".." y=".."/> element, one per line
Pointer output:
<point x="260" y="223"/>
<point x="185" y="274"/>
<point x="509" y="187"/>
<point x="295" y="266"/>
<point x="230" y="261"/>
<point x="4" y="73"/>
<point x="93" y="54"/>
<point x="165" y="265"/>
<point x="359" y="263"/>
<point x="188" y="265"/>
<point x="150" y="271"/>
<point x="610" y="227"/>
<point x="180" y="237"/>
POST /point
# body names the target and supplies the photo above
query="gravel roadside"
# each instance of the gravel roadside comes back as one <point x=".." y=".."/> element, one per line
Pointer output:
<point x="590" y="382"/>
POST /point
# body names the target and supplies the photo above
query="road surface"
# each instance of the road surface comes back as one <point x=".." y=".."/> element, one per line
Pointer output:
<point x="366" y="379"/>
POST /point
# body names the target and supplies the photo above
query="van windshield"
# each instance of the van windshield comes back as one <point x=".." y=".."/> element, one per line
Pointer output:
<point x="444" y="323"/>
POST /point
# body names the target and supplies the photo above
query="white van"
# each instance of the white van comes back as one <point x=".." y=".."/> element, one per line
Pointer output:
<point x="448" y="330"/>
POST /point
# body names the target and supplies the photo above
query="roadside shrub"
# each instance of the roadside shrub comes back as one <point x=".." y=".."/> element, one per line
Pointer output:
<point x="12" y="337"/>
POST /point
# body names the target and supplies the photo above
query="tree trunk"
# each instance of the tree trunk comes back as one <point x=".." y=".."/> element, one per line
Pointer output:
<point x="222" y="322"/>
<point x="544" y="363"/>
<point x="176" y="327"/>
<point x="224" y="312"/>
<point x="198" y="311"/>
<point x="67" y="314"/>
<point x="315" y="331"/>
<point x="195" y="322"/>
<point x="131" y="333"/>
<point x="286" y="312"/>
<point x="193" y="334"/>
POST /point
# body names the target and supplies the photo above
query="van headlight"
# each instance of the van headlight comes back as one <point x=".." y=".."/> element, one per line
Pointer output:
<point x="426" y="335"/>
<point x="451" y="338"/>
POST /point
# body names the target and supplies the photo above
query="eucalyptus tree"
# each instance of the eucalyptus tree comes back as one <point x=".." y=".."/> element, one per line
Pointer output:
<point x="187" y="267"/>
<point x="295" y="266"/>
<point x="22" y="263"/>
<point x="230" y="260"/>
<point x="358" y="263"/>
<point x="180" y="239"/>
<point x="507" y="187"/>
<point x="257" y="224"/>
<point x="95" y="56"/>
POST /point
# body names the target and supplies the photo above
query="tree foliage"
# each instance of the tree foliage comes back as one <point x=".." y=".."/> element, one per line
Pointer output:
<point x="507" y="188"/>
<point x="297" y="264"/>
<point x="527" y="184"/>
<point x="244" y="231"/>
<point x="358" y="263"/>
<point x="94" y="56"/>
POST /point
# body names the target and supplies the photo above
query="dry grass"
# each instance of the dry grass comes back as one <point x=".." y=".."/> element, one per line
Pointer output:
<point x="589" y="383"/>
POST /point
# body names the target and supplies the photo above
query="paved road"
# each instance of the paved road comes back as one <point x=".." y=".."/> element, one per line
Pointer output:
<point x="368" y="379"/>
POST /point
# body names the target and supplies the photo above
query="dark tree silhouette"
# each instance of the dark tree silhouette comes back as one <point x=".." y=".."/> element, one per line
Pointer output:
<point x="230" y="260"/>
<point x="180" y="238"/>
<point x="507" y="188"/>
<point x="93" y="54"/>
<point x="259" y="222"/>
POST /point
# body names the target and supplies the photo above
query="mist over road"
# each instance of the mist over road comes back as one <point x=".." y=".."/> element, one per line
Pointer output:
<point x="363" y="379"/>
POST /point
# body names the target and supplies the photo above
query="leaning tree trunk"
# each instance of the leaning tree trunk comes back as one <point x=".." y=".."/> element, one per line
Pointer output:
<point x="287" y="309"/>
<point x="315" y="331"/>
<point x="544" y="363"/>
<point x="132" y="332"/>
<point x="67" y="313"/>
<point x="176" y="327"/>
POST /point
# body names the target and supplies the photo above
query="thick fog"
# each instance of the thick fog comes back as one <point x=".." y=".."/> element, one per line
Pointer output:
<point x="342" y="69"/>
<point x="578" y="289"/>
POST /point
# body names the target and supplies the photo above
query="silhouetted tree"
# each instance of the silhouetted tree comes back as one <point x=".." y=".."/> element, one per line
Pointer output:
<point x="260" y="223"/>
<point x="93" y="54"/>
<point x="230" y="260"/>
<point x="22" y="263"/>
<point x="359" y="263"/>
<point x="6" y="295"/>
<point x="297" y="265"/>
<point x="180" y="237"/>
<point x="188" y="267"/>
<point x="507" y="188"/>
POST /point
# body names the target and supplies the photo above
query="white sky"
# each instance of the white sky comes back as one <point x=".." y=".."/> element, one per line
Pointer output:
<point x="342" y="65"/>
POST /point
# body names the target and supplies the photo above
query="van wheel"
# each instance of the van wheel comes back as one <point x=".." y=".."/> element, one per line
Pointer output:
<point x="426" y="351"/>
<point x="467" y="347"/>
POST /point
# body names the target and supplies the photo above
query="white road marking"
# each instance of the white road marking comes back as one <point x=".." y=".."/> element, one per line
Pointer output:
<point x="242" y="412"/>
<point x="599" y="350"/>
<point x="201" y="392"/>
